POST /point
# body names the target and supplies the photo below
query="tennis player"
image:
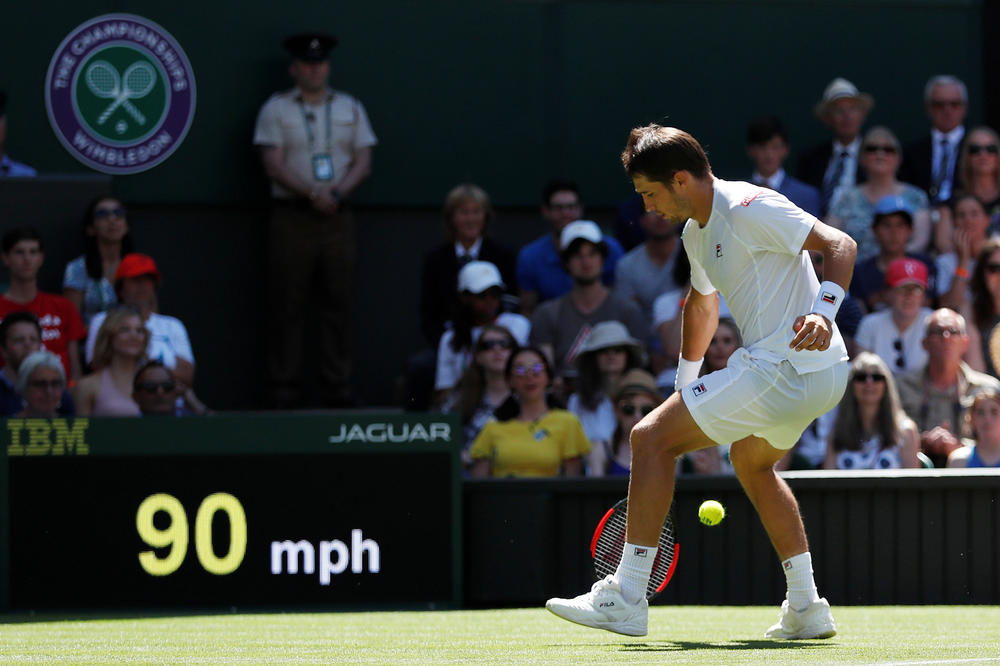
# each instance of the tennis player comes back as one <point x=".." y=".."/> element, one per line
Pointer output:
<point x="749" y="244"/>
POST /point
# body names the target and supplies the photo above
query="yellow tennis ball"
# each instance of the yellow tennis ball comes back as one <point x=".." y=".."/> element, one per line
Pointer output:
<point x="711" y="512"/>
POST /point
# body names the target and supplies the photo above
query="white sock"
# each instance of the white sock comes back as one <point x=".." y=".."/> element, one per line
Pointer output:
<point x="801" y="585"/>
<point x="633" y="571"/>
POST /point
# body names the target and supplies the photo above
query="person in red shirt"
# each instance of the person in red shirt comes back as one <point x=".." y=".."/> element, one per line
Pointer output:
<point x="62" y="327"/>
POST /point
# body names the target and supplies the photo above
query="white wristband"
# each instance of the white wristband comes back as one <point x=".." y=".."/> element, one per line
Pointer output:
<point x="828" y="301"/>
<point x="687" y="372"/>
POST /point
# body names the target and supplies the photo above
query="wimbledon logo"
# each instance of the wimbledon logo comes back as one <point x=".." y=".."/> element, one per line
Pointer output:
<point x="120" y="94"/>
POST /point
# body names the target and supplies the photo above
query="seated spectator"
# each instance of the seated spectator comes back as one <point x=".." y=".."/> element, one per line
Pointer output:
<point x="136" y="283"/>
<point x="983" y="313"/>
<point x="119" y="350"/>
<point x="954" y="268"/>
<point x="979" y="171"/>
<point x="42" y="382"/>
<point x="9" y="167"/>
<point x="541" y="275"/>
<point x="480" y="291"/>
<point x="531" y="436"/>
<point x="559" y="326"/>
<point x="767" y="146"/>
<point x="88" y="281"/>
<point x="157" y="391"/>
<point x="483" y="386"/>
<point x="21" y="335"/>
<point x="853" y="209"/>
<point x="62" y="328"/>
<point x="896" y="333"/>
<point x="936" y="396"/>
<point x="467" y="219"/>
<point x="606" y="355"/>
<point x="871" y="430"/>
<point x="634" y="396"/>
<point x="892" y="228"/>
<point x="983" y="423"/>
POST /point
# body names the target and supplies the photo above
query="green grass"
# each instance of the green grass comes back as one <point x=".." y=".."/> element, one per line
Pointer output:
<point x="678" y="635"/>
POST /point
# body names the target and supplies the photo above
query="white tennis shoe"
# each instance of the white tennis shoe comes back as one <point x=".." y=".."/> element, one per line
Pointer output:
<point x="604" y="607"/>
<point x="814" y="622"/>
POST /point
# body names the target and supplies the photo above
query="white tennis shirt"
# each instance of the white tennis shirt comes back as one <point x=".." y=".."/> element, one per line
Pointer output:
<point x="750" y="251"/>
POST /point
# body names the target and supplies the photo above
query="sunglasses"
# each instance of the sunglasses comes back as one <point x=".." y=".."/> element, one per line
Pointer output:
<point x="628" y="409"/>
<point x="888" y="150"/>
<point x="976" y="148"/>
<point x="485" y="345"/>
<point x="865" y="376"/>
<point x="898" y="346"/>
<point x="535" y="369"/>
<point x="104" y="213"/>
<point x="55" y="384"/>
<point x="943" y="332"/>
<point x="153" y="387"/>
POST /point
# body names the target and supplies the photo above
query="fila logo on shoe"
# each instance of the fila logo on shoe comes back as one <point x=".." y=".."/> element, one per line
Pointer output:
<point x="606" y="604"/>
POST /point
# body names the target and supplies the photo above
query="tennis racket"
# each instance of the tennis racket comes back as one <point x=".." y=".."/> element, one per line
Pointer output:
<point x="609" y="541"/>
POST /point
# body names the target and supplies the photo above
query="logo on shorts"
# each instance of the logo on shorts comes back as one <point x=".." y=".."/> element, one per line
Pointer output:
<point x="120" y="93"/>
<point x="829" y="298"/>
<point x="699" y="389"/>
<point x="641" y="552"/>
<point x="718" y="249"/>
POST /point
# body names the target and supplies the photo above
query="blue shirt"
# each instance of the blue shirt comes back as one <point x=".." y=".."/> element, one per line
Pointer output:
<point x="540" y="270"/>
<point x="9" y="167"/>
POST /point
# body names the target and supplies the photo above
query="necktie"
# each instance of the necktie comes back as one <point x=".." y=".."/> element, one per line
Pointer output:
<point x="831" y="183"/>
<point x="941" y="170"/>
<point x="463" y="260"/>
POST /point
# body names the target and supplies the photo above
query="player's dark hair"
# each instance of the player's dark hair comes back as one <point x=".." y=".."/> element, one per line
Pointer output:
<point x="764" y="128"/>
<point x="14" y="236"/>
<point x="91" y="253"/>
<point x="558" y="185"/>
<point x="19" y="317"/>
<point x="658" y="153"/>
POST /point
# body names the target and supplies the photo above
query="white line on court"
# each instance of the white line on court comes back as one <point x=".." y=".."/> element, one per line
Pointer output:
<point x="976" y="660"/>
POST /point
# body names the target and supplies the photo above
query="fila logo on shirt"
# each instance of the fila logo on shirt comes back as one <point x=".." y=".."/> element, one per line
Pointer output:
<point x="718" y="249"/>
<point x="700" y="389"/>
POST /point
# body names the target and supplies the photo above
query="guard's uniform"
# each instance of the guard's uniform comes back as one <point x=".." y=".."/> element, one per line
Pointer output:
<point x="750" y="250"/>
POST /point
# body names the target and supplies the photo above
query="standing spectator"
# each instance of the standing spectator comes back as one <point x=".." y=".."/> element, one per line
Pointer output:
<point x="467" y="219"/>
<point x="871" y="430"/>
<point x="88" y="281"/>
<point x="42" y="382"/>
<point x="936" y="396"/>
<point x="136" y="282"/>
<point x="767" y="146"/>
<point x="853" y="209"/>
<point x="9" y="167"/>
<point x="892" y="228"/>
<point x="316" y="146"/>
<point x="929" y="162"/>
<point x="480" y="291"/>
<point x="560" y="326"/>
<point x="634" y="397"/>
<point x="62" y="328"/>
<point x="157" y="392"/>
<point x="896" y="333"/>
<point x="983" y="422"/>
<point x="955" y="268"/>
<point x="483" y="386"/>
<point x="834" y="165"/>
<point x="979" y="171"/>
<point x="541" y="275"/>
<point x="531" y="436"/>
<point x="119" y="350"/>
<point x="606" y="355"/>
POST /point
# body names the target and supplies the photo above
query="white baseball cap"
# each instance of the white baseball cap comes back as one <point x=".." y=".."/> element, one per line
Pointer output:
<point x="581" y="229"/>
<point x="478" y="276"/>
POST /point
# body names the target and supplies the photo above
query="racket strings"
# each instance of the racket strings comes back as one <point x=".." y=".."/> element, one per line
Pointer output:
<point x="610" y="544"/>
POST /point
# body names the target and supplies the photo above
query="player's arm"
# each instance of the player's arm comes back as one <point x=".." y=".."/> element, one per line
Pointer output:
<point x="699" y="320"/>
<point x="814" y="330"/>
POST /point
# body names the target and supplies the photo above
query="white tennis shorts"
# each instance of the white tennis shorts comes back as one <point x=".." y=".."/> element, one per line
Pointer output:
<point x="756" y="397"/>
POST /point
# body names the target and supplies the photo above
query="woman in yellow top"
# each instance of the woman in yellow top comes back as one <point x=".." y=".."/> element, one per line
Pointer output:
<point x="530" y="437"/>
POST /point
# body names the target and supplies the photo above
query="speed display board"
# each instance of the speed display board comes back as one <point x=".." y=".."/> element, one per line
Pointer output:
<point x="184" y="518"/>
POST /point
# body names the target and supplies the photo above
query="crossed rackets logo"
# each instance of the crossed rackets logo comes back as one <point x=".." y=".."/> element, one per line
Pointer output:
<point x="105" y="82"/>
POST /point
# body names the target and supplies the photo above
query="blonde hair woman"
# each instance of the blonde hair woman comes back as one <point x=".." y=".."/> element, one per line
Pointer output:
<point x="119" y="350"/>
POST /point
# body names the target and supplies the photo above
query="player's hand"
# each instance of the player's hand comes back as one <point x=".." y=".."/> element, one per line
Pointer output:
<point x="813" y="332"/>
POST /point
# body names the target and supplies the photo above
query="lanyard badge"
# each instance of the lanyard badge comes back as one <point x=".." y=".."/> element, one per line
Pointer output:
<point x="322" y="162"/>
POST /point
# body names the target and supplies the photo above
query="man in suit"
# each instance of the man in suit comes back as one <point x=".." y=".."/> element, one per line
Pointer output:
<point x="767" y="146"/>
<point x="834" y="165"/>
<point x="930" y="162"/>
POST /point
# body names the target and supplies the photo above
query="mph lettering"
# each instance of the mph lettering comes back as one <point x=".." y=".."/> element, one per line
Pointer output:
<point x="334" y="557"/>
<point x="392" y="432"/>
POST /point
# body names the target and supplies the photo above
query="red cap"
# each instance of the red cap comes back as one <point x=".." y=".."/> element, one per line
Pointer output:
<point x="136" y="265"/>
<point x="906" y="271"/>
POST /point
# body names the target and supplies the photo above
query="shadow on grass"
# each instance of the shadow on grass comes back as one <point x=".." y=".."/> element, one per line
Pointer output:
<point x="679" y="646"/>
